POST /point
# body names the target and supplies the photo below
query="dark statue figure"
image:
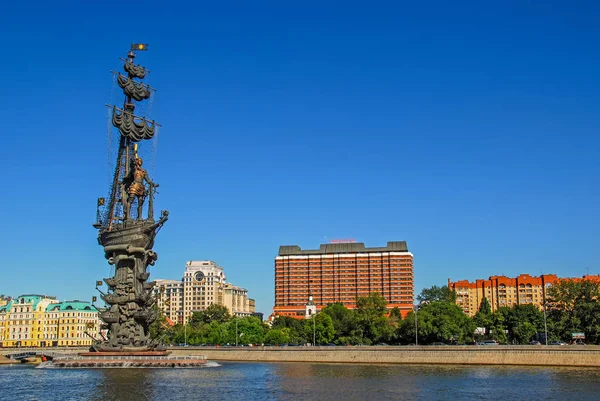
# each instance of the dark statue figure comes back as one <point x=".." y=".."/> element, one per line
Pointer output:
<point x="128" y="241"/>
<point x="135" y="188"/>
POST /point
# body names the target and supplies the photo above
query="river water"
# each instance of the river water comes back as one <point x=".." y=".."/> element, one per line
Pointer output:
<point x="301" y="381"/>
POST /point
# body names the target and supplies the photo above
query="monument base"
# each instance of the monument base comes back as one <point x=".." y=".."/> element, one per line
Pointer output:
<point x="147" y="359"/>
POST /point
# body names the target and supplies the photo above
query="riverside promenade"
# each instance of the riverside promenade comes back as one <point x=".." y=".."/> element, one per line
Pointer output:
<point x="569" y="355"/>
<point x="582" y="356"/>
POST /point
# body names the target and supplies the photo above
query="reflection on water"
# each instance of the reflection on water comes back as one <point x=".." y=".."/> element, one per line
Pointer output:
<point x="300" y="381"/>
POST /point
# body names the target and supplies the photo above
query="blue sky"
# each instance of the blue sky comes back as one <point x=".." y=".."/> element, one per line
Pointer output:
<point x="469" y="131"/>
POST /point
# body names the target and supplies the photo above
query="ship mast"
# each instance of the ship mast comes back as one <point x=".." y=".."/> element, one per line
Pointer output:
<point x="123" y="146"/>
<point x="133" y="129"/>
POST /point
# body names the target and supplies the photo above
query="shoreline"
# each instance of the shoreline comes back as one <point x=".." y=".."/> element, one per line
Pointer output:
<point x="401" y="355"/>
<point x="7" y="361"/>
<point x="558" y="356"/>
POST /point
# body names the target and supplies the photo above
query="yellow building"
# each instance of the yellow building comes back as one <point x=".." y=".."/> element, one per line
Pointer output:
<point x="72" y="323"/>
<point x="23" y="320"/>
<point x="3" y="317"/>
<point x="39" y="321"/>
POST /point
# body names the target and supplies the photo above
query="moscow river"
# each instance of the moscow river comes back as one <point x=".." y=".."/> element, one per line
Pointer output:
<point x="301" y="381"/>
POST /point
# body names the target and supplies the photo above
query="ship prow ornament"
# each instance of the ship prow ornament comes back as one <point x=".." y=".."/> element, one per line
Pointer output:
<point x="127" y="227"/>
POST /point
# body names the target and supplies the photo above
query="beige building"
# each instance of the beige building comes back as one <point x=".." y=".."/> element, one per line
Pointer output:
<point x="237" y="301"/>
<point x="203" y="284"/>
<point x="169" y="298"/>
<point x="38" y="320"/>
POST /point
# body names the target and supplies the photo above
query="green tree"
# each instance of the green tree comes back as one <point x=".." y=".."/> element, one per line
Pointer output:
<point x="395" y="313"/>
<point x="524" y="331"/>
<point x="499" y="325"/>
<point x="440" y="321"/>
<point x="369" y="311"/>
<point x="215" y="333"/>
<point x="485" y="307"/>
<point x="344" y="322"/>
<point x="483" y="318"/>
<point x="213" y="313"/>
<point x="521" y="321"/>
<point x="250" y="330"/>
<point x="321" y="327"/>
<point x="406" y="329"/>
<point x="295" y="328"/>
<point x="573" y="306"/>
<point x="277" y="336"/>
<point x="160" y="330"/>
<point x="436" y="293"/>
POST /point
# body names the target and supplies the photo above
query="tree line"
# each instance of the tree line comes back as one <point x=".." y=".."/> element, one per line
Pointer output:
<point x="571" y="307"/>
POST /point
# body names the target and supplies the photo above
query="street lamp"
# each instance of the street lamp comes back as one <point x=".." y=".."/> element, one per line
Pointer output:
<point x="236" y="332"/>
<point x="416" y="308"/>
<point x="314" y="330"/>
<point x="545" y="324"/>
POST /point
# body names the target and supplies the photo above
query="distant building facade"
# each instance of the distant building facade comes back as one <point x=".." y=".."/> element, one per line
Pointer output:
<point x="341" y="272"/>
<point x="505" y="291"/>
<point x="41" y="321"/>
<point x="169" y="298"/>
<point x="72" y="323"/>
<point x="237" y="301"/>
<point x="203" y="284"/>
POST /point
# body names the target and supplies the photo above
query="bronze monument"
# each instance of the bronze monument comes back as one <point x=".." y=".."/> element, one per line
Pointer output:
<point x="128" y="236"/>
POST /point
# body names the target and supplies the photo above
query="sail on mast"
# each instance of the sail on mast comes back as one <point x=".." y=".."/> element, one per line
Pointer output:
<point x="132" y="129"/>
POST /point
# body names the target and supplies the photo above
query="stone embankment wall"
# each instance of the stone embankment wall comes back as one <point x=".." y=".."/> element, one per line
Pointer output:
<point x="451" y="355"/>
<point x="569" y="355"/>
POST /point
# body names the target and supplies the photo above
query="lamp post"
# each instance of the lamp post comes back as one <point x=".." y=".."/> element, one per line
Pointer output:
<point x="545" y="324"/>
<point x="236" y="332"/>
<point x="416" y="308"/>
<point x="314" y="330"/>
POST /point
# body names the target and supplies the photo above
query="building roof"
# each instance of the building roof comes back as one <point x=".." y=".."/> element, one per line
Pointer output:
<point x="33" y="299"/>
<point x="229" y="286"/>
<point x="71" y="305"/>
<point x="6" y="308"/>
<point x="350" y="247"/>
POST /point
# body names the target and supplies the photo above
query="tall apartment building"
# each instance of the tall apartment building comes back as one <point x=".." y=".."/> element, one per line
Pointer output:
<point x="504" y="291"/>
<point x="169" y="298"/>
<point x="341" y="272"/>
<point x="203" y="284"/>
<point x="40" y="320"/>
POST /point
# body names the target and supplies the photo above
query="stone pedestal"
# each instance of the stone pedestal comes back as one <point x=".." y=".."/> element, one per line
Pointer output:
<point x="147" y="359"/>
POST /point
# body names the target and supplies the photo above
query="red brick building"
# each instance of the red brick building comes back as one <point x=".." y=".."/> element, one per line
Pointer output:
<point x="341" y="272"/>
<point x="505" y="291"/>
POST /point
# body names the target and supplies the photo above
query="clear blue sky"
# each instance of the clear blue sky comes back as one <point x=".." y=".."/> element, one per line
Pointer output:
<point x="469" y="131"/>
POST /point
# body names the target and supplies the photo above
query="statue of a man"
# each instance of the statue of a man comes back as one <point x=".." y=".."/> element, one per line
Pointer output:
<point x="136" y="188"/>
